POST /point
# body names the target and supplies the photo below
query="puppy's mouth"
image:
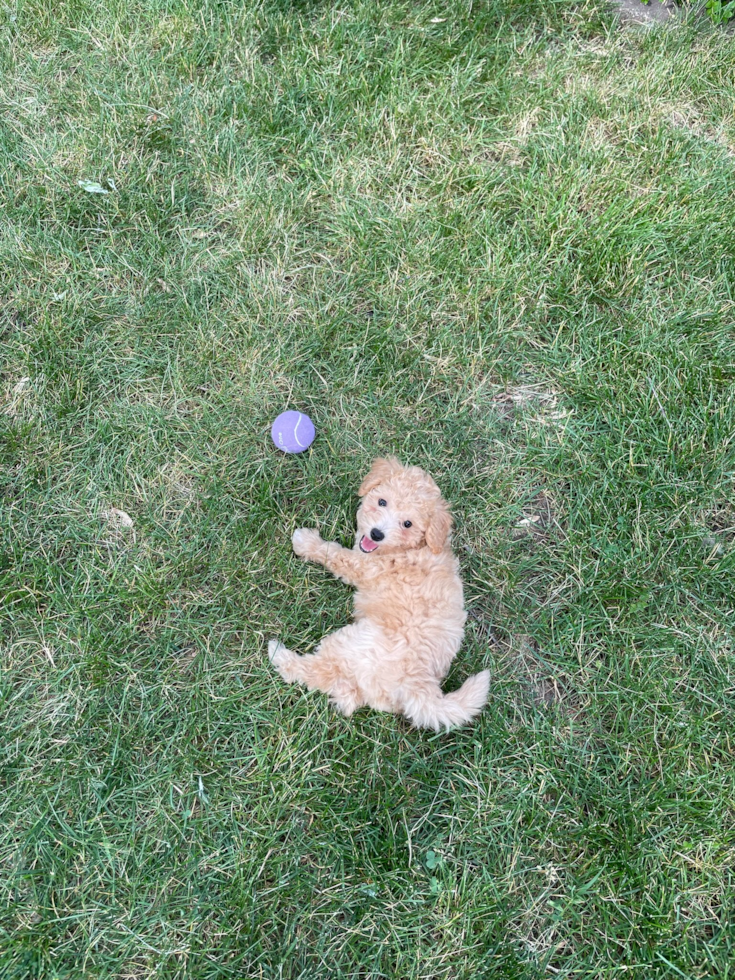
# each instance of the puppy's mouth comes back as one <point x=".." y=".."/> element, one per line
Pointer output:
<point x="367" y="544"/>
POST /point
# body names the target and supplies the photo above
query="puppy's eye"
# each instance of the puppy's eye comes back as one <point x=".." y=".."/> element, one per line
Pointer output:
<point x="407" y="524"/>
<point x="382" y="503"/>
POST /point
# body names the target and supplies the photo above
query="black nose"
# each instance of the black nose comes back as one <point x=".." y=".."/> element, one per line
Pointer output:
<point x="376" y="534"/>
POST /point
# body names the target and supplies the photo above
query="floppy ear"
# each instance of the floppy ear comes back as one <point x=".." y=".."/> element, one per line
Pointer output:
<point x="439" y="527"/>
<point x="380" y="471"/>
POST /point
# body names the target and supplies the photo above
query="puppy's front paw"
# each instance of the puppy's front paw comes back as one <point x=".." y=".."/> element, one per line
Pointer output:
<point x="306" y="542"/>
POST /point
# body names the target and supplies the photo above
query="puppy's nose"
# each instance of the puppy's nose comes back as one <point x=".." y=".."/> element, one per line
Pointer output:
<point x="376" y="534"/>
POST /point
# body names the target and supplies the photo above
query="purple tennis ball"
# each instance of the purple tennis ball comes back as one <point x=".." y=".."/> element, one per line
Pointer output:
<point x="293" y="432"/>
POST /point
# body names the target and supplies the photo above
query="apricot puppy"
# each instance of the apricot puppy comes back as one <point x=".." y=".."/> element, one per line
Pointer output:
<point x="409" y="607"/>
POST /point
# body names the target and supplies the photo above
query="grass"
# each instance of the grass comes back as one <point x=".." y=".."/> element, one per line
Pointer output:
<point x="497" y="239"/>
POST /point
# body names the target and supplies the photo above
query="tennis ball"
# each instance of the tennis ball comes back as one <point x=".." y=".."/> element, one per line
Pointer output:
<point x="293" y="432"/>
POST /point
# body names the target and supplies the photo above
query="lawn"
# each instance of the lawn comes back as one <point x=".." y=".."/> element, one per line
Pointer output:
<point x="495" y="239"/>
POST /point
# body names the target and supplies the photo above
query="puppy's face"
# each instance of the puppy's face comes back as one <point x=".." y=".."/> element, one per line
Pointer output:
<point x="401" y="509"/>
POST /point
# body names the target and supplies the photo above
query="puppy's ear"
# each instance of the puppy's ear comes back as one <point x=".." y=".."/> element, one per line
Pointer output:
<point x="439" y="527"/>
<point x="380" y="471"/>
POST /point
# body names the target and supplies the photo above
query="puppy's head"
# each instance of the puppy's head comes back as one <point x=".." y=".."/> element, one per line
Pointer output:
<point x="401" y="509"/>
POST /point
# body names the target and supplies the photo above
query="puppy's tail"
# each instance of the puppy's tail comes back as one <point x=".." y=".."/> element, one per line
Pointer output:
<point x="439" y="711"/>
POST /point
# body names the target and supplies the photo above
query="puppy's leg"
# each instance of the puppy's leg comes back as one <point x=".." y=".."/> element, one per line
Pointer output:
<point x="284" y="660"/>
<point x="341" y="562"/>
<point x="327" y="670"/>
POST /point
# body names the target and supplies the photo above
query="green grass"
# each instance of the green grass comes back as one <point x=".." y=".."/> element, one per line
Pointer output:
<point x="497" y="239"/>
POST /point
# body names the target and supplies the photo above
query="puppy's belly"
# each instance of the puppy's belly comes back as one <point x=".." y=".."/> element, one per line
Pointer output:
<point x="383" y="660"/>
<point x="378" y="663"/>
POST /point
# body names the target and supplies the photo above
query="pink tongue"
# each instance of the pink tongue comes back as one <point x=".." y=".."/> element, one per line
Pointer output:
<point x="367" y="545"/>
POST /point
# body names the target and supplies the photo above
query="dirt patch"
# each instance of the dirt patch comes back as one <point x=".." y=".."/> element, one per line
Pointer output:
<point x="721" y="521"/>
<point x="538" y="515"/>
<point x="185" y="657"/>
<point x="532" y="401"/>
<point x="518" y="397"/>
<point x="524" y="654"/>
<point x="545" y="687"/>
<point x="635" y="12"/>
<point x="720" y="525"/>
<point x="118" y="528"/>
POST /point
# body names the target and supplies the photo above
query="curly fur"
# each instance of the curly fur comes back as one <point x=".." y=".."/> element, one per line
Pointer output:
<point x="409" y="607"/>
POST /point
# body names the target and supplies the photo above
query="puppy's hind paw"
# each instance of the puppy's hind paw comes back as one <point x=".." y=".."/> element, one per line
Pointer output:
<point x="286" y="662"/>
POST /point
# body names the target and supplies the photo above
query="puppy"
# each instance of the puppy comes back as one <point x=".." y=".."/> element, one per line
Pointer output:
<point x="409" y="607"/>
